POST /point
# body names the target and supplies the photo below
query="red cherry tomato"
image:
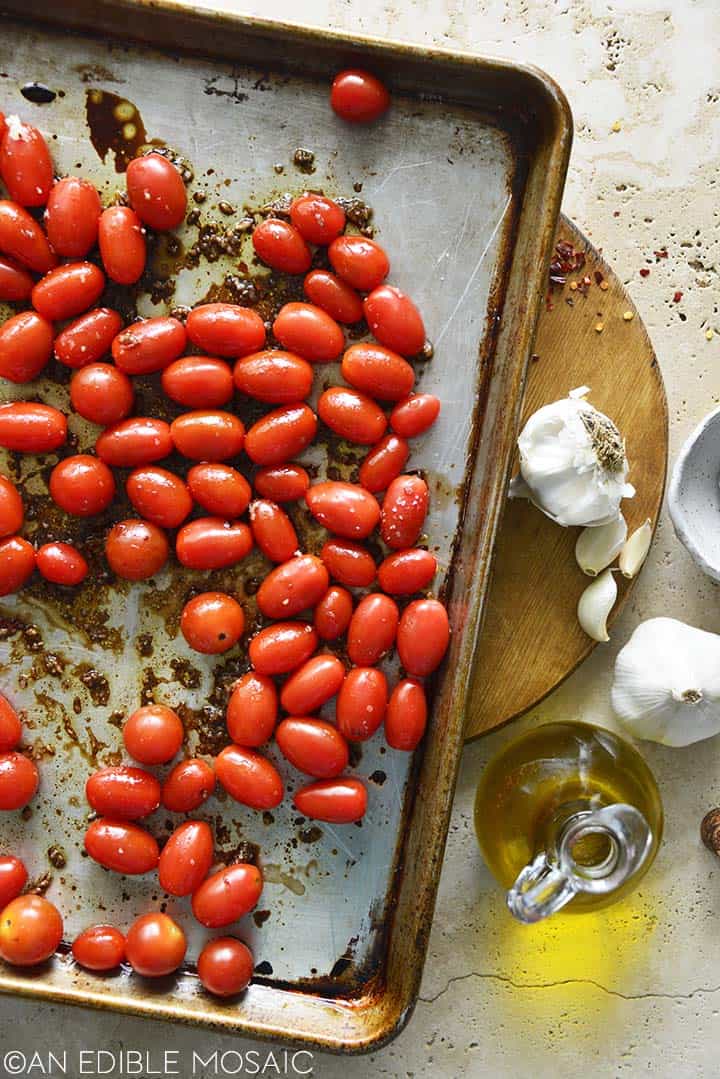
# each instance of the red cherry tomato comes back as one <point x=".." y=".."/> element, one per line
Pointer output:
<point x="333" y="295"/>
<point x="149" y="346"/>
<point x="310" y="686"/>
<point x="27" y="427"/>
<point x="249" y="778"/>
<point x="225" y="329"/>
<point x="414" y="415"/>
<point x="99" y="947"/>
<point x="19" y="780"/>
<point x="343" y="508"/>
<point x="349" y="563"/>
<point x="406" y="716"/>
<point x="186" y="858"/>
<point x="198" y="382"/>
<point x="25" y="163"/>
<point x="313" y="746"/>
<point x="25" y="346"/>
<point x="407" y="571"/>
<point x="219" y="489"/>
<point x="377" y="371"/>
<point x="82" y="485"/>
<point x="372" y="629"/>
<point x="337" y="801"/>
<point x="140" y="440"/>
<point x="208" y="436"/>
<point x="281" y="435"/>
<point x="158" y="495"/>
<point x="102" y="394"/>
<point x="360" y="262"/>
<point x="30" y="930"/>
<point x="123" y="792"/>
<point x="68" y="290"/>
<point x="155" y="945"/>
<point x="11" y="508"/>
<point x="404" y="510"/>
<point x="273" y="531"/>
<point x="61" y="563"/>
<point x="352" y="415"/>
<point x="292" y="587"/>
<point x="156" y="191"/>
<point x="282" y="647"/>
<point x="309" y="331"/>
<point x="72" y="217"/>
<point x="358" y="97"/>
<point x="88" y="338"/>
<point x="383" y="463"/>
<point x="280" y="245"/>
<point x="276" y="377"/>
<point x="252" y="710"/>
<point x="212" y="543"/>
<point x="22" y="238"/>
<point x="423" y="636"/>
<point x="10" y="731"/>
<point x="227" y="895"/>
<point x="317" y="219"/>
<point x="394" y="320"/>
<point x="189" y="784"/>
<point x="153" y="734"/>
<point x="17" y="562"/>
<point x="136" y="550"/>
<point x="123" y="250"/>
<point x="283" y="483"/>
<point x="121" y="846"/>
<point x="333" y="613"/>
<point x="361" y="703"/>
<point x="212" y="622"/>
<point x="13" y="878"/>
<point x="225" y="966"/>
<point x="16" y="284"/>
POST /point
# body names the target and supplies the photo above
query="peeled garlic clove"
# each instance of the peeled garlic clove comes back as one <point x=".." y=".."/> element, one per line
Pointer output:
<point x="598" y="546"/>
<point x="595" y="605"/>
<point x="635" y="551"/>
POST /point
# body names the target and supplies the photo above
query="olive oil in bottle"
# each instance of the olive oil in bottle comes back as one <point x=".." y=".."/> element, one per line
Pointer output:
<point x="567" y="815"/>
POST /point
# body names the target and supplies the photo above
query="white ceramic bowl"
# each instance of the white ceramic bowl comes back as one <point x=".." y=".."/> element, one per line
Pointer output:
<point x="694" y="495"/>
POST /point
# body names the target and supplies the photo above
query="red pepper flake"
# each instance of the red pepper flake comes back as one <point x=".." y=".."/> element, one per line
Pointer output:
<point x="645" y="272"/>
<point x="599" y="278"/>
<point x="661" y="254"/>
<point x="677" y="296"/>
<point x="565" y="260"/>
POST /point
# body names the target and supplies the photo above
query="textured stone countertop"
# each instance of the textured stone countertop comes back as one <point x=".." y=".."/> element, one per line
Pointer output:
<point x="635" y="989"/>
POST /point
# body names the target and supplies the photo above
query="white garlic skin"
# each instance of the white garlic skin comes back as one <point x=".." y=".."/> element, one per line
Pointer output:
<point x="598" y="545"/>
<point x="666" y="687"/>
<point x="595" y="605"/>
<point x="560" y="469"/>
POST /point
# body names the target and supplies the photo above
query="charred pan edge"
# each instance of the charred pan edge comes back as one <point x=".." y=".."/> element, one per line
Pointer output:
<point x="531" y="107"/>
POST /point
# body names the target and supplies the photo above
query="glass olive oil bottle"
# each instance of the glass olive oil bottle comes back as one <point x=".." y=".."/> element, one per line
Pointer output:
<point x="567" y="815"/>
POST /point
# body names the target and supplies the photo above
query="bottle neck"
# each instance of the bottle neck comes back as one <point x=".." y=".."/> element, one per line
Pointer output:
<point x="595" y="852"/>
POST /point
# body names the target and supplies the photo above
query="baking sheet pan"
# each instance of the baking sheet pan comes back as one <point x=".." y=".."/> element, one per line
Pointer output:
<point x="463" y="177"/>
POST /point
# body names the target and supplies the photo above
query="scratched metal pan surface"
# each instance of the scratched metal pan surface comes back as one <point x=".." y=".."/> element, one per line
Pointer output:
<point x="464" y="177"/>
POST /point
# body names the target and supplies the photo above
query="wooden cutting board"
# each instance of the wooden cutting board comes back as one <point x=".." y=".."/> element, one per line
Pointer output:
<point x="591" y="335"/>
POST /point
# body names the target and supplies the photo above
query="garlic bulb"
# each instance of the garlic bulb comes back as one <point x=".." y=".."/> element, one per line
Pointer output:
<point x="595" y="605"/>
<point x="598" y="545"/>
<point x="667" y="683"/>
<point x="572" y="463"/>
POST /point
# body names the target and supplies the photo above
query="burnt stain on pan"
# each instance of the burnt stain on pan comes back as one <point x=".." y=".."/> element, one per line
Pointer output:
<point x="115" y="126"/>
